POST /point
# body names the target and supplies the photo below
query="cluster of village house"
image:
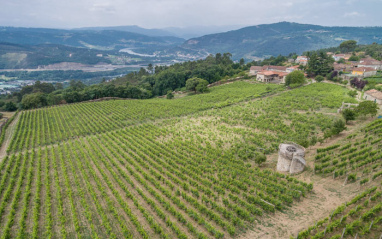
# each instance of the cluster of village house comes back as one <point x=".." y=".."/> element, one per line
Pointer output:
<point x="366" y="67"/>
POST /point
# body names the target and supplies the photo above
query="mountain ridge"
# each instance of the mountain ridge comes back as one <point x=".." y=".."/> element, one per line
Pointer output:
<point x="251" y="43"/>
<point x="98" y="39"/>
<point x="280" y="38"/>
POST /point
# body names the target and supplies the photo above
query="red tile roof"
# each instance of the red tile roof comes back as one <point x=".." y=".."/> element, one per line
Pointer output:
<point x="293" y="67"/>
<point x="270" y="73"/>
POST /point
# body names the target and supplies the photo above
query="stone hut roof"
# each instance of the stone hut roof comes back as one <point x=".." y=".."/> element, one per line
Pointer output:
<point x="375" y="93"/>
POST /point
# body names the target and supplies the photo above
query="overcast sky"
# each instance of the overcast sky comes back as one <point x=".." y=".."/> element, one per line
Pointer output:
<point x="181" y="13"/>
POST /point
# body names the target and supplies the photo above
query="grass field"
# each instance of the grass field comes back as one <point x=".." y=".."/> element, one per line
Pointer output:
<point x="158" y="168"/>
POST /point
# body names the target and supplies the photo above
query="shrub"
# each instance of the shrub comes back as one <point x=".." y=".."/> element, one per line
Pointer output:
<point x="319" y="78"/>
<point x="295" y="77"/>
<point x="260" y="158"/>
<point x="169" y="95"/>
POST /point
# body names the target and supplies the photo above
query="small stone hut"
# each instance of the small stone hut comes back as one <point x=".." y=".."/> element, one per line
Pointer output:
<point x="291" y="158"/>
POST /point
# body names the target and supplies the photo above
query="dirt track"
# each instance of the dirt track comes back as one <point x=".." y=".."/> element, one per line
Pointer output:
<point x="327" y="195"/>
<point x="8" y="136"/>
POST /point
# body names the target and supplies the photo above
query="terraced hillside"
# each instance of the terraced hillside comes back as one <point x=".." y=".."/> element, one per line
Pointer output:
<point x="356" y="160"/>
<point x="158" y="168"/>
<point x="359" y="218"/>
<point x="50" y="125"/>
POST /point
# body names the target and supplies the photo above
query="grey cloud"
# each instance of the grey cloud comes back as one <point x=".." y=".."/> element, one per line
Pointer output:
<point x="165" y="13"/>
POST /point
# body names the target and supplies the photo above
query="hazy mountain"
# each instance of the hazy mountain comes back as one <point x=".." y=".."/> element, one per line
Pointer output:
<point x="249" y="42"/>
<point x="198" y="31"/>
<point x="133" y="28"/>
<point x="14" y="56"/>
<point x="279" y="38"/>
<point x="95" y="39"/>
<point x="182" y="32"/>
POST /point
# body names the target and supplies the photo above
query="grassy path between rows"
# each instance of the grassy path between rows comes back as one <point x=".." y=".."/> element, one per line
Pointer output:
<point x="8" y="137"/>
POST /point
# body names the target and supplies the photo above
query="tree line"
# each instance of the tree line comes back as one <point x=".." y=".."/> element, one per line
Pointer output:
<point x="143" y="84"/>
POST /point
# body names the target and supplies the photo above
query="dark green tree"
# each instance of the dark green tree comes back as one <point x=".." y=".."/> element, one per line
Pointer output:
<point x="59" y="86"/>
<point x="150" y="68"/>
<point x="348" y="46"/>
<point x="354" y="57"/>
<point x="348" y="114"/>
<point x="319" y="78"/>
<point x="319" y="63"/>
<point x="295" y="78"/>
<point x="34" y="100"/>
<point x="367" y="108"/>
<point x="242" y="62"/>
<point x="10" y="106"/>
<point x="338" y="127"/>
<point x="170" y="95"/>
<point x="192" y="83"/>
<point x="76" y="85"/>
<point x="342" y="60"/>
<point x="202" y="86"/>
<point x="226" y="59"/>
<point x="352" y="93"/>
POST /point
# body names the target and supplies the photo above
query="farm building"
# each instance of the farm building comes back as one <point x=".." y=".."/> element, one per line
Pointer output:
<point x="337" y="57"/>
<point x="254" y="69"/>
<point x="364" y="71"/>
<point x="302" y="60"/>
<point x="373" y="95"/>
<point x="272" y="76"/>
<point x="275" y="68"/>
<point x="343" y="67"/>
<point x="370" y="63"/>
<point x="292" y="68"/>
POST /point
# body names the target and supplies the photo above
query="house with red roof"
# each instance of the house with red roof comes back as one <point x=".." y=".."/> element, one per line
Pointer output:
<point x="337" y="57"/>
<point x="302" y="60"/>
<point x="272" y="76"/>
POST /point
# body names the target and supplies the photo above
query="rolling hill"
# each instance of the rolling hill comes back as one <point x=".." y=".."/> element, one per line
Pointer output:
<point x="279" y="38"/>
<point x="95" y="39"/>
<point x="250" y="43"/>
<point x="132" y="28"/>
<point x="15" y="56"/>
